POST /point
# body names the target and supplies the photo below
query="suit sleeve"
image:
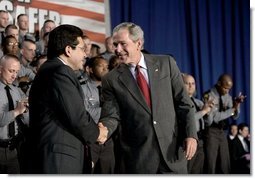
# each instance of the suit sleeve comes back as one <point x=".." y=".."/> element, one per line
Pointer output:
<point x="110" y="110"/>
<point x="68" y="96"/>
<point x="185" y="109"/>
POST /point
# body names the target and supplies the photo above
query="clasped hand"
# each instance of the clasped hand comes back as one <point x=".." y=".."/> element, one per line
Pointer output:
<point x="238" y="100"/>
<point x="22" y="106"/>
<point x="103" y="132"/>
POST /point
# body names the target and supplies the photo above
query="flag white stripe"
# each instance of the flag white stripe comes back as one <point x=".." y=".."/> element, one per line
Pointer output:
<point x="80" y="4"/>
<point x="84" y="23"/>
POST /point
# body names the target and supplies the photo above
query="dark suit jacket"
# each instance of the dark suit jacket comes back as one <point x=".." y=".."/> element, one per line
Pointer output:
<point x="239" y="164"/>
<point x="59" y="123"/>
<point x="146" y="135"/>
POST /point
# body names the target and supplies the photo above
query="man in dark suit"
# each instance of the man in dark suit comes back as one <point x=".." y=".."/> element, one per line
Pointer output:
<point x="60" y="127"/>
<point x="240" y="151"/>
<point x="146" y="100"/>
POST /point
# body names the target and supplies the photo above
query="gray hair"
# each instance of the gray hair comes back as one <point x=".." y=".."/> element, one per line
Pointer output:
<point x="135" y="31"/>
<point x="6" y="57"/>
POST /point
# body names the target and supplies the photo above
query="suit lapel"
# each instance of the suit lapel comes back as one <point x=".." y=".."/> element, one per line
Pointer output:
<point x="153" y="74"/>
<point x="127" y="79"/>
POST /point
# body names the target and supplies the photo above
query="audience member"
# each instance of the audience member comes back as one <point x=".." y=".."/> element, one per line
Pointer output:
<point x="240" y="151"/>
<point x="41" y="45"/>
<point x="102" y="155"/>
<point x="10" y="45"/>
<point x="114" y="62"/>
<point x="233" y="131"/>
<point x="12" y="108"/>
<point x="13" y="30"/>
<point x="87" y="45"/>
<point x="95" y="50"/>
<point x="23" y="24"/>
<point x="216" y="144"/>
<point x="24" y="81"/>
<point x="151" y="118"/>
<point x="59" y="126"/>
<point x="196" y="164"/>
<point x="4" y="21"/>
<point x="109" y="49"/>
<point x="27" y="52"/>
<point x="36" y="64"/>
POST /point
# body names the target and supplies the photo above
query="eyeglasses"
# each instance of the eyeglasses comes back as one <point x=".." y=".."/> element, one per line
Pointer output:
<point x="82" y="48"/>
<point x="13" y="44"/>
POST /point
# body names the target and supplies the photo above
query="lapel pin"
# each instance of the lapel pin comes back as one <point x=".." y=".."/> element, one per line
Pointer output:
<point x="156" y="70"/>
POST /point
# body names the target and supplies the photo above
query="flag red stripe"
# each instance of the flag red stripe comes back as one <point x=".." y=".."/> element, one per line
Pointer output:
<point x="102" y="1"/>
<point x="65" y="10"/>
<point x="97" y="37"/>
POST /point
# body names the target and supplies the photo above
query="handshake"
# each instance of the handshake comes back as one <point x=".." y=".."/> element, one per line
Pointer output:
<point x="103" y="133"/>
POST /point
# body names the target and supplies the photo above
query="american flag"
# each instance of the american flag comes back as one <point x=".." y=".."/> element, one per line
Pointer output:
<point x="90" y="15"/>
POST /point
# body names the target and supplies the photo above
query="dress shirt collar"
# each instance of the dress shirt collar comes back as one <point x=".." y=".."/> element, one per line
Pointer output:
<point x="240" y="137"/>
<point x="231" y="137"/>
<point x="142" y="63"/>
<point x="2" y="85"/>
<point x="62" y="60"/>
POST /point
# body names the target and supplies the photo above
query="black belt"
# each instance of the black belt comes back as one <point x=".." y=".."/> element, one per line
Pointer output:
<point x="5" y="143"/>
<point x="10" y="143"/>
<point x="218" y="126"/>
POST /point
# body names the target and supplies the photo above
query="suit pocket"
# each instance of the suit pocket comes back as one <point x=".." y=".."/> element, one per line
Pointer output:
<point x="163" y="76"/>
<point x="66" y="150"/>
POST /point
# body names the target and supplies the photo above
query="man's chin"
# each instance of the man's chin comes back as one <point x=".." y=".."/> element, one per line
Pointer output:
<point x="123" y="59"/>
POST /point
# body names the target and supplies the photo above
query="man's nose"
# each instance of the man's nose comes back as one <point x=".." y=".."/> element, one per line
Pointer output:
<point x="118" y="48"/>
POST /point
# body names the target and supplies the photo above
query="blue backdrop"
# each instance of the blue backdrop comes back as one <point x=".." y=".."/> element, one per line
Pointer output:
<point x="206" y="37"/>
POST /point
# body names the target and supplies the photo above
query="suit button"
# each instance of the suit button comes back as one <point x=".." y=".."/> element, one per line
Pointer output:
<point x="154" y="122"/>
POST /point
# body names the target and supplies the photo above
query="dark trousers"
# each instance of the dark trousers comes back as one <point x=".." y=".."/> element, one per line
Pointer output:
<point x="217" y="158"/>
<point x="196" y="164"/>
<point x="103" y="158"/>
<point x="9" y="163"/>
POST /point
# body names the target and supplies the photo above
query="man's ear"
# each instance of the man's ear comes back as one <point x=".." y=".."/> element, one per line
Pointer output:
<point x="68" y="51"/>
<point x="139" y="44"/>
<point x="90" y="70"/>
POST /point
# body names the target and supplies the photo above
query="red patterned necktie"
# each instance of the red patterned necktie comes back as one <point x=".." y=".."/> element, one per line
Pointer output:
<point x="143" y="85"/>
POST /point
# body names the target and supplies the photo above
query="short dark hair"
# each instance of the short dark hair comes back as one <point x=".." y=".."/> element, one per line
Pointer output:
<point x="62" y="36"/>
<point x="93" y="62"/>
<point x="3" y="11"/>
<point x="20" y="15"/>
<point x="48" y="20"/>
<point x="10" y="26"/>
<point x="241" y="126"/>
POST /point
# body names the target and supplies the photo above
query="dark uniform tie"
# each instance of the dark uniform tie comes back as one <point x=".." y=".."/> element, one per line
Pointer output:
<point x="143" y="85"/>
<point x="224" y="124"/>
<point x="2" y="35"/>
<point x="100" y="94"/>
<point x="11" y="126"/>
